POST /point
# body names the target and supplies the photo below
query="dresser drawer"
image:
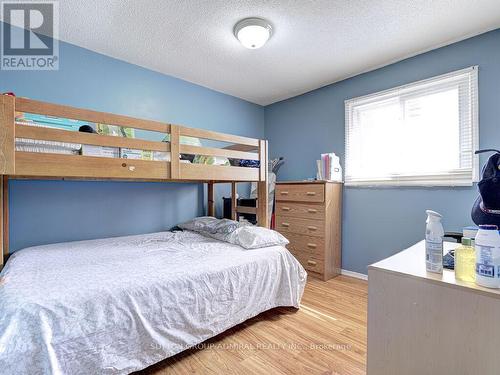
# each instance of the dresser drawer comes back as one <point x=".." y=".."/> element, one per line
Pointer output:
<point x="296" y="225"/>
<point x="314" y="211"/>
<point x="310" y="263"/>
<point x="300" y="192"/>
<point x="306" y="245"/>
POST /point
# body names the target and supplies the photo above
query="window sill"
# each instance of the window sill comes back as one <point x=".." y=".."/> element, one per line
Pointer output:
<point x="393" y="183"/>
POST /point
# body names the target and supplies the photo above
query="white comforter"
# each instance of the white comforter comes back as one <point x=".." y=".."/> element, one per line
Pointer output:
<point x="117" y="305"/>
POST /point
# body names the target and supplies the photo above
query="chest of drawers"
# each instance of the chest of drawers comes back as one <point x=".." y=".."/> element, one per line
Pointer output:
<point x="309" y="214"/>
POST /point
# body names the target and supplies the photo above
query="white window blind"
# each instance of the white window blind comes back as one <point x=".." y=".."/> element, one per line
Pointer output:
<point x="420" y="134"/>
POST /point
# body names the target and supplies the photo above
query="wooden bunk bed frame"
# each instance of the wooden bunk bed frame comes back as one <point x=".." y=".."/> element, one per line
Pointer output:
<point x="35" y="165"/>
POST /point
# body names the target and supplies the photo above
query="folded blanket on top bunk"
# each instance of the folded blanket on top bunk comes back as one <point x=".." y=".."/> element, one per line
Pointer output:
<point x="34" y="145"/>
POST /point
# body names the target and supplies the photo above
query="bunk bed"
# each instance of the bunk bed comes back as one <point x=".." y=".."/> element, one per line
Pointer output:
<point x="16" y="164"/>
<point x="119" y="305"/>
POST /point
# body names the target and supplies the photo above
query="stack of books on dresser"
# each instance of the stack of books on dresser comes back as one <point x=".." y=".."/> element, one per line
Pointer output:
<point x="328" y="168"/>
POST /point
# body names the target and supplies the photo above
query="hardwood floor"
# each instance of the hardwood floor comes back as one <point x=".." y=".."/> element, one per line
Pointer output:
<point x="327" y="335"/>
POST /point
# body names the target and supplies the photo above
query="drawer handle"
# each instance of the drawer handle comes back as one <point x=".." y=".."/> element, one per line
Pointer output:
<point x="312" y="245"/>
<point x="311" y="262"/>
<point x="311" y="227"/>
<point x="131" y="168"/>
<point x="285" y="224"/>
<point x="312" y="210"/>
<point x="311" y="193"/>
<point x="285" y="208"/>
<point x="284" y="192"/>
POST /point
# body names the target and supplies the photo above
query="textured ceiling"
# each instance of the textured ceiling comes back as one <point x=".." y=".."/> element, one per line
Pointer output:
<point x="314" y="43"/>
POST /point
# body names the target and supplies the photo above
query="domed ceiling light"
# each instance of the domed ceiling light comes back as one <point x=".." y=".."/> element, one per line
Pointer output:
<point x="253" y="33"/>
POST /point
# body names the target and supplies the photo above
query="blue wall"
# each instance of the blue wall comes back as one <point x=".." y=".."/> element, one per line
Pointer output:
<point x="378" y="222"/>
<point x="54" y="211"/>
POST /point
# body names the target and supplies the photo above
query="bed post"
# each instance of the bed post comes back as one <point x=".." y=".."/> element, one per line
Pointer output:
<point x="210" y="199"/>
<point x="7" y="119"/>
<point x="234" y="201"/>
<point x="7" y="166"/>
<point x="3" y="255"/>
<point x="175" y="172"/>
<point x="5" y="218"/>
<point x="262" y="187"/>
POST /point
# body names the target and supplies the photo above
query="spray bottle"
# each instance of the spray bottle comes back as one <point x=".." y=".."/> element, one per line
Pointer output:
<point x="434" y="234"/>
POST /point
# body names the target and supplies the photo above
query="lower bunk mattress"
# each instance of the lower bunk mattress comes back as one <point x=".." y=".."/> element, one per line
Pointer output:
<point x="118" y="305"/>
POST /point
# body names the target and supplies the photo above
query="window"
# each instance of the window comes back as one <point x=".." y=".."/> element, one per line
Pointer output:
<point x="421" y="134"/>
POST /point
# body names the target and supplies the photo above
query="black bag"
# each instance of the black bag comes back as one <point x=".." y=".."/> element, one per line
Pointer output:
<point x="486" y="209"/>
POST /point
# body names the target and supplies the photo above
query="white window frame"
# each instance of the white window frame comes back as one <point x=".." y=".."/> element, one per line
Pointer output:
<point x="451" y="178"/>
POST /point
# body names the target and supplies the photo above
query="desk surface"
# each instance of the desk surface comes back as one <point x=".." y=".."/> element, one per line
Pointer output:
<point x="411" y="263"/>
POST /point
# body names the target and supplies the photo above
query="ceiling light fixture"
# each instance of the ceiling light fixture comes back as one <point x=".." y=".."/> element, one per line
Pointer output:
<point x="253" y="33"/>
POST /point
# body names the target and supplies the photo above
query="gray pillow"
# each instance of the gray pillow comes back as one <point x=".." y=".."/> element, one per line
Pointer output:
<point x="226" y="226"/>
<point x="201" y="224"/>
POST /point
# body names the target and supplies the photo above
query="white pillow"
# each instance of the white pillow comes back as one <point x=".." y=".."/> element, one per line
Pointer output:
<point x="253" y="237"/>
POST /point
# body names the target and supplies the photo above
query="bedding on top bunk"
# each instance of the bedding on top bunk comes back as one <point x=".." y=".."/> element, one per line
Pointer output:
<point x="117" y="305"/>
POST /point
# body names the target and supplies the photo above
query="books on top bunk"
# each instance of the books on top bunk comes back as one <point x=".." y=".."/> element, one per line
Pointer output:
<point x="130" y="153"/>
<point x="101" y="151"/>
<point x="328" y="168"/>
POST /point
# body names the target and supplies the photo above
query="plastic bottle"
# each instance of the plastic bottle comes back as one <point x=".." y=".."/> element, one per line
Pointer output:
<point x="488" y="256"/>
<point x="434" y="233"/>
<point x="465" y="261"/>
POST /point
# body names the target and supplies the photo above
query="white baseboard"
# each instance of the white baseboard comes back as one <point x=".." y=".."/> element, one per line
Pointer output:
<point x="356" y="275"/>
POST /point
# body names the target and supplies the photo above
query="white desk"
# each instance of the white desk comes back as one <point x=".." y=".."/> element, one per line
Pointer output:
<point x="425" y="323"/>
